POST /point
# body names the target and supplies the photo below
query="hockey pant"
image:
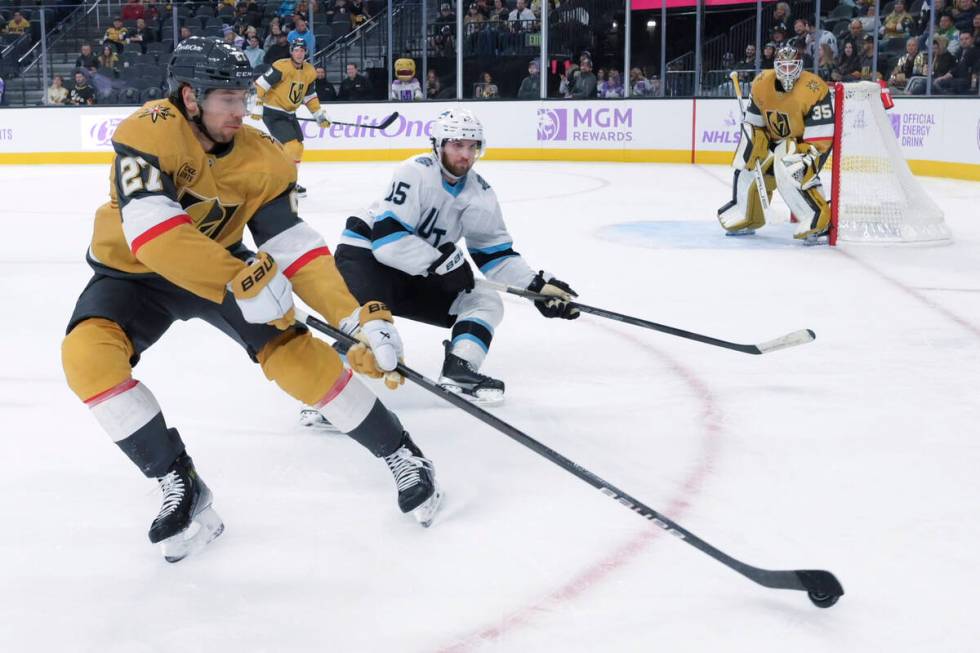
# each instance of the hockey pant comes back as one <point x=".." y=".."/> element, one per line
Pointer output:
<point x="116" y="319"/>
<point x="473" y="316"/>
<point x="804" y="196"/>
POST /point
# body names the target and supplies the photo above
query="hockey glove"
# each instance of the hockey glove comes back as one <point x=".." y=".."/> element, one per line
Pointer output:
<point x="451" y="271"/>
<point x="321" y="118"/>
<point x="257" y="112"/>
<point x="264" y="294"/>
<point x="802" y="166"/>
<point x="561" y="305"/>
<point x="379" y="347"/>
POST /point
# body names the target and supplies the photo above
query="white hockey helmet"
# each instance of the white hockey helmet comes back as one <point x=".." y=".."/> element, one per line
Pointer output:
<point x="788" y="66"/>
<point x="456" y="124"/>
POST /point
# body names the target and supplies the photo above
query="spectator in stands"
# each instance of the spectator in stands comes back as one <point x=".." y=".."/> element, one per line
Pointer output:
<point x="300" y="31"/>
<point x="133" y="10"/>
<point x="921" y="26"/>
<point x="814" y="38"/>
<point x="142" y="35"/>
<point x="151" y="10"/>
<point x="640" y="86"/>
<point x="521" y="18"/>
<point x="908" y="65"/>
<point x="963" y="76"/>
<point x="947" y="29"/>
<point x="116" y="35"/>
<point x="82" y="93"/>
<point x="231" y="37"/>
<point x="86" y="58"/>
<point x="500" y="12"/>
<point x="530" y="88"/>
<point x="868" y="73"/>
<point x="613" y="86"/>
<point x="781" y="16"/>
<point x="584" y="85"/>
<point x="324" y="89"/>
<point x="942" y="61"/>
<point x="109" y="61"/>
<point x="272" y="31"/>
<point x="976" y="27"/>
<point x="778" y="36"/>
<point x="869" y="21"/>
<point x="444" y="42"/>
<point x="849" y="64"/>
<point x="57" y="93"/>
<point x="486" y="89"/>
<point x="433" y="85"/>
<point x="286" y="8"/>
<point x="254" y="52"/>
<point x="854" y="36"/>
<point x="339" y="12"/>
<point x="358" y="13"/>
<point x="963" y="15"/>
<point x="826" y="64"/>
<point x="768" y="59"/>
<point x="472" y="25"/>
<point x="18" y="24"/>
<point x="279" y="50"/>
<point x="748" y="61"/>
<point x="185" y="33"/>
<point x="354" y="86"/>
<point x="446" y="15"/>
<point x="898" y="24"/>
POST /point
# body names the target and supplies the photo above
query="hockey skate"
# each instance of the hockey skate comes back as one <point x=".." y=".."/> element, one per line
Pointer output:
<point x="311" y="418"/>
<point x="300" y="191"/>
<point x="186" y="522"/>
<point x="747" y="231"/>
<point x="415" y="478"/>
<point x="459" y="376"/>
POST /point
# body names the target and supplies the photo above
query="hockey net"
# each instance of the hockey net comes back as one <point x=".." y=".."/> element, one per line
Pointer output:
<point x="874" y="196"/>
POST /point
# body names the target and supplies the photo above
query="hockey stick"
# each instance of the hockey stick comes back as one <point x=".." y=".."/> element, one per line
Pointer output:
<point x="760" y="182"/>
<point x="822" y="587"/>
<point x="381" y="125"/>
<point x="793" y="339"/>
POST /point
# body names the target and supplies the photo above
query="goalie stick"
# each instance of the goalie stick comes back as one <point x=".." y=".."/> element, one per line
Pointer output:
<point x="793" y="339"/>
<point x="822" y="587"/>
<point x="760" y="182"/>
<point x="381" y="125"/>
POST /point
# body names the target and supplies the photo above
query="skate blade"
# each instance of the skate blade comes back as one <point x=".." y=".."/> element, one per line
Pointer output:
<point x="312" y="419"/>
<point x="426" y="513"/>
<point x="301" y="193"/>
<point x="204" y="529"/>
<point x="741" y="232"/>
<point x="812" y="241"/>
<point x="482" y="397"/>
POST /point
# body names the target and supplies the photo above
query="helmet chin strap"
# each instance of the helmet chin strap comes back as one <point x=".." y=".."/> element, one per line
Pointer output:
<point x="438" y="150"/>
<point x="199" y="118"/>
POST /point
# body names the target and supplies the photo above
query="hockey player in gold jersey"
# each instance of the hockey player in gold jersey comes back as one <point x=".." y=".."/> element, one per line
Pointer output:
<point x="186" y="180"/>
<point x="287" y="85"/>
<point x="791" y="122"/>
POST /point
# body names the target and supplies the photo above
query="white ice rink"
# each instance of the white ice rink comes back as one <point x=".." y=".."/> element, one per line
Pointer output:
<point x="858" y="453"/>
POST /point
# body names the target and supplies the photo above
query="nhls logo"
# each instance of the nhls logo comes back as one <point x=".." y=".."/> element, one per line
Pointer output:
<point x="730" y="135"/>
<point x="585" y="124"/>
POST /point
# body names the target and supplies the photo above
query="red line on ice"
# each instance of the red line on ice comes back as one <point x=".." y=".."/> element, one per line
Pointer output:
<point x="628" y="551"/>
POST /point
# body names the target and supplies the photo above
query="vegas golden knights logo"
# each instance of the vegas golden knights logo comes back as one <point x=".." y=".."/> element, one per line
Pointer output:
<point x="779" y="122"/>
<point x="208" y="213"/>
<point x="296" y="92"/>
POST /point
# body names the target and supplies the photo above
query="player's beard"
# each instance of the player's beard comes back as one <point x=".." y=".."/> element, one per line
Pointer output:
<point x="457" y="171"/>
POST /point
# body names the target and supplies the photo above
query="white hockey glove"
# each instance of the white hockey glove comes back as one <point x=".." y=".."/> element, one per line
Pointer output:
<point x="545" y="283"/>
<point x="263" y="293"/>
<point x="801" y="167"/>
<point x="379" y="347"/>
<point x="321" y="118"/>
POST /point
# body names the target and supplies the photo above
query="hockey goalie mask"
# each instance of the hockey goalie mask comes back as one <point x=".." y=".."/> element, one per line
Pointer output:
<point x="788" y="66"/>
<point x="405" y="69"/>
<point x="459" y="125"/>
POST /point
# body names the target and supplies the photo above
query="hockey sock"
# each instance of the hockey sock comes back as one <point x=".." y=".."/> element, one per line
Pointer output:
<point x="471" y="340"/>
<point x="351" y="407"/>
<point x="131" y="416"/>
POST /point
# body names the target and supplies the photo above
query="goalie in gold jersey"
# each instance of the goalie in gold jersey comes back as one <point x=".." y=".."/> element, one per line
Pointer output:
<point x="287" y="85"/>
<point x="791" y="121"/>
<point x="187" y="179"/>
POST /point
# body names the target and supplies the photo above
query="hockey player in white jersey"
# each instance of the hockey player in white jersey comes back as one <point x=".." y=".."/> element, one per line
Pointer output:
<point x="405" y="87"/>
<point x="402" y="250"/>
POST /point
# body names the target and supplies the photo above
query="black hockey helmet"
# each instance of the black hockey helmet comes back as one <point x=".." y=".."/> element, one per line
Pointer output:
<point x="207" y="62"/>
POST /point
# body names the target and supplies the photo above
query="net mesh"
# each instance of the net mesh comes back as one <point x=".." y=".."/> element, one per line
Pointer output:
<point x="878" y="198"/>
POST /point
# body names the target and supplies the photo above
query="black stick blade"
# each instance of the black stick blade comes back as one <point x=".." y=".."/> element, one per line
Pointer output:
<point x="387" y="121"/>
<point x="822" y="587"/>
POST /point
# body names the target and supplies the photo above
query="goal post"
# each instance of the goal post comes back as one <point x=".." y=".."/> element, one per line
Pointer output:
<point x="875" y="198"/>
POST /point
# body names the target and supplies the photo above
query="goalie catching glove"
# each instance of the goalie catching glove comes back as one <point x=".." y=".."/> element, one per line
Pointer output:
<point x="560" y="296"/>
<point x="379" y="347"/>
<point x="264" y="294"/>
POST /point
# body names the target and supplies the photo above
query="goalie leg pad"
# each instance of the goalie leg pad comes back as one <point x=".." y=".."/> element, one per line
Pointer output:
<point x="478" y="313"/>
<point x="801" y="189"/>
<point x="744" y="211"/>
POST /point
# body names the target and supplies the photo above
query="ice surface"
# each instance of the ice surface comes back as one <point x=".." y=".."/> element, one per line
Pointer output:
<point x="857" y="453"/>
